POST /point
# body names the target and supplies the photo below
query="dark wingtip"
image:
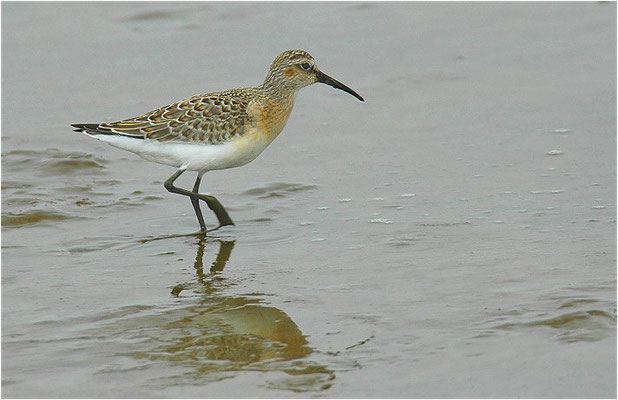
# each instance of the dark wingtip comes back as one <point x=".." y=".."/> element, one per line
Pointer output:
<point x="85" y="126"/>
<point x="91" y="129"/>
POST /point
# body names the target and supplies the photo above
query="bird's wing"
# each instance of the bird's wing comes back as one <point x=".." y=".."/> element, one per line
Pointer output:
<point x="211" y="119"/>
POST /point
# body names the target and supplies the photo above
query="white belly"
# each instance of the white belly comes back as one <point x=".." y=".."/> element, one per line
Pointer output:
<point x="192" y="156"/>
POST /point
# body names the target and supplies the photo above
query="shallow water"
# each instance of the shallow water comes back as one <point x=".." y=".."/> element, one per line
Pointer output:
<point x="454" y="236"/>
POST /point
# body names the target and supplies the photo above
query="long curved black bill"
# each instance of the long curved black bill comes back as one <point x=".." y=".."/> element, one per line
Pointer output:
<point x="322" y="77"/>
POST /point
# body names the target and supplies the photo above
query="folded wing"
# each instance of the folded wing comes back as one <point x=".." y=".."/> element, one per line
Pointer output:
<point x="210" y="119"/>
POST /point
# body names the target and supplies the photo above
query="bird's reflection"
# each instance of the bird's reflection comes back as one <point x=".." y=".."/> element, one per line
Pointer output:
<point x="222" y="333"/>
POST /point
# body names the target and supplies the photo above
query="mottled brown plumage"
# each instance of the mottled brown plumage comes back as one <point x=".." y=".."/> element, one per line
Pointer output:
<point x="216" y="130"/>
<point x="217" y="117"/>
<point x="210" y="118"/>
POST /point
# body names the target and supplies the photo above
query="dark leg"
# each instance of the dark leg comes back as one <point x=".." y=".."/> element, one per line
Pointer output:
<point x="196" y="204"/>
<point x="212" y="202"/>
<point x="169" y="185"/>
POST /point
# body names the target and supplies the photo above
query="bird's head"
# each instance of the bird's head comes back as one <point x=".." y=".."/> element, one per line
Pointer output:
<point x="296" y="69"/>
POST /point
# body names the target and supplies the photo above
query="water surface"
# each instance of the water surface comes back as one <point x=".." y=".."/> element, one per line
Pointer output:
<point x="453" y="236"/>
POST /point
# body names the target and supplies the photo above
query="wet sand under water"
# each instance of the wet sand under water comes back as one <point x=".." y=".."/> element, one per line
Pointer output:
<point x="454" y="236"/>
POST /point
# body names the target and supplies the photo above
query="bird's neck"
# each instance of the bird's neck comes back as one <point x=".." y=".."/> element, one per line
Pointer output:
<point x="278" y="88"/>
<point x="271" y="109"/>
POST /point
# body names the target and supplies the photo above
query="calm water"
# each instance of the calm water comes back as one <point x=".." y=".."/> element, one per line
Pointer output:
<point x="455" y="235"/>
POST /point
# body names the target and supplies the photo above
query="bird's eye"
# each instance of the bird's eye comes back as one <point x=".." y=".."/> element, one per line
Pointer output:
<point x="305" y="66"/>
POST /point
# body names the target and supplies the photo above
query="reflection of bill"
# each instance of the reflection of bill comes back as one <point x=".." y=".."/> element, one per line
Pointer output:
<point x="225" y="333"/>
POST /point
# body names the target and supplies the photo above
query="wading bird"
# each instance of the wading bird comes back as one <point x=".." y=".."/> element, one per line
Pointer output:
<point x="216" y="130"/>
